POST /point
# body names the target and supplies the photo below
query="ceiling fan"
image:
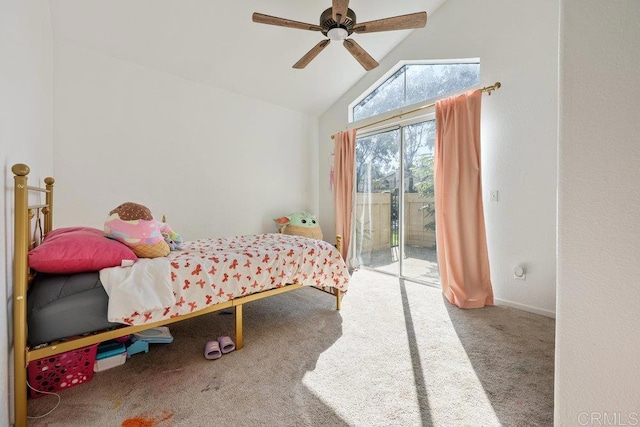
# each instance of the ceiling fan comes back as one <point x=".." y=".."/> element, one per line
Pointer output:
<point x="338" y="22"/>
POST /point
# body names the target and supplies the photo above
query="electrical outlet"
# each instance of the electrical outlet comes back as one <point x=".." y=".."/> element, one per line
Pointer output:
<point x="493" y="195"/>
<point x="520" y="272"/>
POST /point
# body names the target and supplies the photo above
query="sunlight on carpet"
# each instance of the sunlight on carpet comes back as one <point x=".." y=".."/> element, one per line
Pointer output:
<point x="365" y="377"/>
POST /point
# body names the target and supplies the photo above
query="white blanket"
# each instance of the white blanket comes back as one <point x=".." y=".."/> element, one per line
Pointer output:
<point x="145" y="286"/>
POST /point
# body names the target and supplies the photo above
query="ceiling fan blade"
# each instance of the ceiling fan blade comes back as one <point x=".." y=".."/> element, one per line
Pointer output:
<point x="281" y="22"/>
<point x="308" y="57"/>
<point x="360" y="54"/>
<point x="402" y="22"/>
<point x="339" y="7"/>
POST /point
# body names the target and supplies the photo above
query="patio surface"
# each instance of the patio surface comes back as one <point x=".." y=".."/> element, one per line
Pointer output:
<point x="419" y="263"/>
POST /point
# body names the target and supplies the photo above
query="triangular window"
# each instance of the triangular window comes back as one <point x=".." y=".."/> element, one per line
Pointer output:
<point x="411" y="83"/>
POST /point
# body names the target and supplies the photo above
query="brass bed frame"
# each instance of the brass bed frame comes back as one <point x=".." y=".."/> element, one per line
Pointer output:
<point x="22" y="276"/>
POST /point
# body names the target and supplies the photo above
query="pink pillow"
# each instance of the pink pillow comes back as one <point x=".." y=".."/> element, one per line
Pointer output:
<point x="76" y="250"/>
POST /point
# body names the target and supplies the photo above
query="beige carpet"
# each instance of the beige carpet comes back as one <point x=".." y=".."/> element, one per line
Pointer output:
<point x="397" y="354"/>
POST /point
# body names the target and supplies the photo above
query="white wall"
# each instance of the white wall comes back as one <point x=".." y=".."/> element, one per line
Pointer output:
<point x="598" y="334"/>
<point x="215" y="163"/>
<point x="26" y="126"/>
<point x="516" y="42"/>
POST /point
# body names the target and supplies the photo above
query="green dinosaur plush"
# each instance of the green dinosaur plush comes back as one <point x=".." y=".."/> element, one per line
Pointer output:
<point x="300" y="224"/>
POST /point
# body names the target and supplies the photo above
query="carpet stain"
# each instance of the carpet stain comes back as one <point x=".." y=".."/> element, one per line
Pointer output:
<point x="147" y="421"/>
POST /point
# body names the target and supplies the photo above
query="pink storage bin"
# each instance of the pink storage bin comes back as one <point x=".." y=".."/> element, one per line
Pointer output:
<point x="59" y="372"/>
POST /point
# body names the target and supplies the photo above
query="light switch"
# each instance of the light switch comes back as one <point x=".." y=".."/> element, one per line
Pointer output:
<point x="493" y="195"/>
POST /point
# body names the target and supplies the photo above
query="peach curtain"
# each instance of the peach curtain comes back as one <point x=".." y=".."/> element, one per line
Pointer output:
<point x="343" y="174"/>
<point x="460" y="230"/>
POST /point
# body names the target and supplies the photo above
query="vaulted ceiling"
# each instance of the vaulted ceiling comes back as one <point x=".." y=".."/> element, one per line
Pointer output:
<point x="215" y="42"/>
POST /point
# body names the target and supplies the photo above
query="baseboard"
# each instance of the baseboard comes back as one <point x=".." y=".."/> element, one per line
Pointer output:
<point x="497" y="301"/>
<point x="524" y="307"/>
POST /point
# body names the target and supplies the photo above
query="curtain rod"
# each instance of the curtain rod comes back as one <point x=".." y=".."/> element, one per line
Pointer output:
<point x="487" y="89"/>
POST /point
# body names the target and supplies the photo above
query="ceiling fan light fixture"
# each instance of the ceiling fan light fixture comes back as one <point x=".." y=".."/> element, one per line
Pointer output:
<point x="338" y="22"/>
<point x="337" y="34"/>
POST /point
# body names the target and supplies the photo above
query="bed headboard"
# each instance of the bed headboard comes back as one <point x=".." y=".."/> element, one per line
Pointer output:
<point x="24" y="214"/>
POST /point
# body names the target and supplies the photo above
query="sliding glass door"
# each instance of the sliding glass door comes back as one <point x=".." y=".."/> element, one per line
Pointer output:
<point x="419" y="261"/>
<point x="395" y="212"/>
<point x="377" y="188"/>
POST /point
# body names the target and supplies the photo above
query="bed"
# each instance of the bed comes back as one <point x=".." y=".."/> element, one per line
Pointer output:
<point x="57" y="313"/>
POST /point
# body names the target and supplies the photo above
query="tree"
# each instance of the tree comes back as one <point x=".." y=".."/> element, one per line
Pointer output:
<point x="418" y="140"/>
<point x="386" y="97"/>
<point x="426" y="188"/>
<point x="415" y="83"/>
<point x="375" y="157"/>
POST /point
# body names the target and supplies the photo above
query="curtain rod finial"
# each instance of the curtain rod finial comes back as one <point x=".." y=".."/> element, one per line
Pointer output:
<point x="490" y="89"/>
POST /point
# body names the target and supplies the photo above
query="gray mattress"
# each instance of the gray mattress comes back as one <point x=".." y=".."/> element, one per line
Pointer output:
<point x="61" y="306"/>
